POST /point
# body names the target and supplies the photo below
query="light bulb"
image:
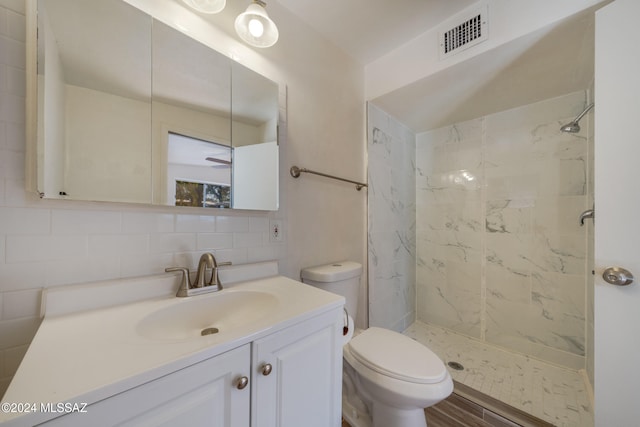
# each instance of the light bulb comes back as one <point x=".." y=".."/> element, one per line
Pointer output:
<point x="256" y="28"/>
<point x="207" y="6"/>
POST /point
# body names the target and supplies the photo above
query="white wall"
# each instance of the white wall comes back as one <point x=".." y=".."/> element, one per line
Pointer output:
<point x="108" y="146"/>
<point x="51" y="242"/>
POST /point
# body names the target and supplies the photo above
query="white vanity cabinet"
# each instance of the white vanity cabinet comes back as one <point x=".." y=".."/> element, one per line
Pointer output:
<point x="294" y="379"/>
<point x="150" y="365"/>
<point x="297" y="375"/>
<point x="204" y="394"/>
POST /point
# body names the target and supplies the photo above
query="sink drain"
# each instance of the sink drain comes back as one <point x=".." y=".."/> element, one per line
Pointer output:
<point x="456" y="366"/>
<point x="209" y="331"/>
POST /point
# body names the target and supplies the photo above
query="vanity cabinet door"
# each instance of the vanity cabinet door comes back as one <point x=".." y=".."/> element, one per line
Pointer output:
<point x="204" y="394"/>
<point x="297" y="375"/>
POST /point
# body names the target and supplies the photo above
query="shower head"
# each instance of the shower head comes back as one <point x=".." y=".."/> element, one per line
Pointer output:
<point x="574" y="126"/>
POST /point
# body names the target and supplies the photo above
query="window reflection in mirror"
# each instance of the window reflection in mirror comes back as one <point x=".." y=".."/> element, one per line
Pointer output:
<point x="191" y="114"/>
<point x="198" y="172"/>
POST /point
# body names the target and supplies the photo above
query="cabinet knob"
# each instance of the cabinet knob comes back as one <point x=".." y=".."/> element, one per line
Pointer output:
<point x="266" y="369"/>
<point x="242" y="383"/>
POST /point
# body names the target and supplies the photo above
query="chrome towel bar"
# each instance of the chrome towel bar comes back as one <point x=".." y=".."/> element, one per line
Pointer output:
<point x="295" y="172"/>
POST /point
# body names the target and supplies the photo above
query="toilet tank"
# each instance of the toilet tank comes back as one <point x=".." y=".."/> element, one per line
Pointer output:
<point x="342" y="278"/>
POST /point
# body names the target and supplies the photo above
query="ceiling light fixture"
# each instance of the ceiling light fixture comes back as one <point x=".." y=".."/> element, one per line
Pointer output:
<point x="206" y="6"/>
<point x="255" y="27"/>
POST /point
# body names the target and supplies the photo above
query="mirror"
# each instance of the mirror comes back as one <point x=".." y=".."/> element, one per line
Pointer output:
<point x="94" y="101"/>
<point x="132" y="110"/>
<point x="254" y="110"/>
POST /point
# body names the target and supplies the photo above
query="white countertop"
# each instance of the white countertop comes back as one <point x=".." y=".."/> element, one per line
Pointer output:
<point x="86" y="356"/>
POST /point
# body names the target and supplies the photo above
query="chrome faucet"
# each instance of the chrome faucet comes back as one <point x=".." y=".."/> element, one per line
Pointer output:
<point x="201" y="285"/>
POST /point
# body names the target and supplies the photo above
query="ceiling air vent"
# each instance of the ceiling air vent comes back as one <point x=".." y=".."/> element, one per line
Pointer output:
<point x="463" y="32"/>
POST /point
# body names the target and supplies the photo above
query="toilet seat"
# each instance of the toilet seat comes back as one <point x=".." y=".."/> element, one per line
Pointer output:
<point x="397" y="356"/>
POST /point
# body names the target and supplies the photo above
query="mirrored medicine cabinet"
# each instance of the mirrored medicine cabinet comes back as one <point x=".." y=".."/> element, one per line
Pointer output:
<point x="128" y="109"/>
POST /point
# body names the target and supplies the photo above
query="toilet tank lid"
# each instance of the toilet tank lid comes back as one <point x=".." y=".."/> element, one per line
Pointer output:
<point x="332" y="272"/>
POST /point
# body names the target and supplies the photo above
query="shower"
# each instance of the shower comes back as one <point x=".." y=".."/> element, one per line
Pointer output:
<point x="574" y="127"/>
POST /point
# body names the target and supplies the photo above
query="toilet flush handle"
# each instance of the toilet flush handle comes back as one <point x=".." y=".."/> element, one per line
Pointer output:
<point x="345" y="328"/>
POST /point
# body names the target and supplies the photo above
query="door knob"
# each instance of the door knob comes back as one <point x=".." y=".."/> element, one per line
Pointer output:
<point x="617" y="276"/>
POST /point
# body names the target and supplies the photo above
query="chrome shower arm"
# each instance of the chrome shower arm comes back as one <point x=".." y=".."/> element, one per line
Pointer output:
<point x="586" y="110"/>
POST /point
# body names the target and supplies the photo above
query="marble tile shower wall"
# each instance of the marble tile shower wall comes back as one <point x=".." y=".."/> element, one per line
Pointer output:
<point x="500" y="254"/>
<point x="46" y="243"/>
<point x="391" y="222"/>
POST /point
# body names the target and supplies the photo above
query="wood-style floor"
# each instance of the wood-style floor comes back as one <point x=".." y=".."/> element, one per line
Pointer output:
<point x="468" y="408"/>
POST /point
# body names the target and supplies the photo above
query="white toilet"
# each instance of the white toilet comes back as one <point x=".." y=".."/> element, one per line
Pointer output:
<point x="388" y="378"/>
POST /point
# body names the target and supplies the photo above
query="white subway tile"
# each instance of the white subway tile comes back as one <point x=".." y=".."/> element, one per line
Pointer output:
<point x="209" y="241"/>
<point x="22" y="276"/>
<point x="248" y="240"/>
<point x="15" y="134"/>
<point x="195" y="223"/>
<point x="12" y="165"/>
<point x="259" y="224"/>
<point x="120" y="245"/>
<point x="85" y="222"/>
<point x="172" y="242"/>
<point x="12" y="52"/>
<point x="4" y="21"/>
<point x="232" y="224"/>
<point x="82" y="270"/>
<point x="45" y="248"/>
<point x="15" y="194"/>
<point x="264" y="253"/>
<point x="12" y="108"/>
<point x="142" y="222"/>
<point x="16" y="26"/>
<point x="21" y="304"/>
<point x="104" y="245"/>
<point x="141" y="265"/>
<point x="15" y="80"/>
<point x="16" y="6"/>
<point x="236" y="256"/>
<point x="188" y="260"/>
<point x="4" y="83"/>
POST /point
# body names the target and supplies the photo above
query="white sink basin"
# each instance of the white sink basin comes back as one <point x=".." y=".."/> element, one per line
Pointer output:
<point x="214" y="314"/>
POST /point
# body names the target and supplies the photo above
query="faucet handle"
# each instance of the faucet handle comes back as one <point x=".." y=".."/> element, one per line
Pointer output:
<point x="215" y="280"/>
<point x="185" y="284"/>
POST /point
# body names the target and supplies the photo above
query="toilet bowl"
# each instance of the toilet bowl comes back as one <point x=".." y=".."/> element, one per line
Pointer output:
<point x="388" y="378"/>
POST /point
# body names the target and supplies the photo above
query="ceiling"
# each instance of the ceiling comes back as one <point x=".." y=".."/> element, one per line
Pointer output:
<point x="553" y="61"/>
<point x="368" y="29"/>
